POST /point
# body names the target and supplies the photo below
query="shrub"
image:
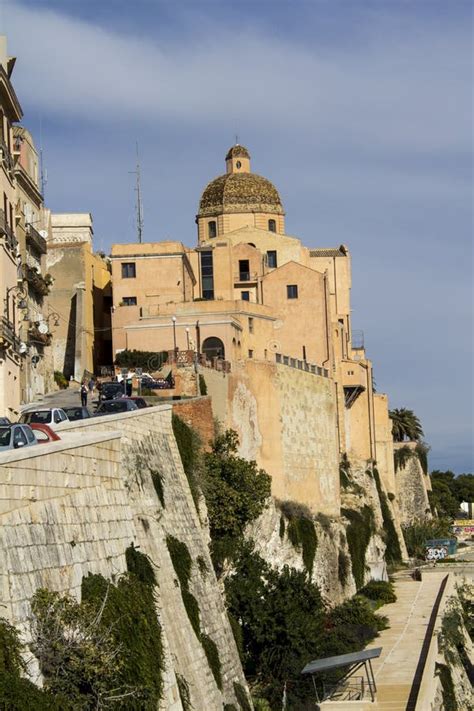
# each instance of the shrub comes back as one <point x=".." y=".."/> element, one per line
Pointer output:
<point x="60" y="380"/>
<point x="393" y="553"/>
<point x="241" y="696"/>
<point x="148" y="360"/>
<point x="237" y="633"/>
<point x="184" y="694"/>
<point x="302" y="534"/>
<point x="236" y="493"/>
<point x="359" y="532"/>
<point x="417" y="533"/>
<point x="401" y="457"/>
<point x="379" y="590"/>
<point x="202" y="385"/>
<point x="447" y="686"/>
<point x="189" y="444"/>
<point x="213" y="659"/>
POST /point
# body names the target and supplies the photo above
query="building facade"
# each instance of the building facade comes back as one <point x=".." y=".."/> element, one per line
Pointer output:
<point x="80" y="296"/>
<point x="259" y="300"/>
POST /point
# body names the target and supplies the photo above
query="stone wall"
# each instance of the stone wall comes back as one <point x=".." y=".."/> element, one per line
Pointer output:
<point x="412" y="487"/>
<point x="52" y="536"/>
<point x="197" y="413"/>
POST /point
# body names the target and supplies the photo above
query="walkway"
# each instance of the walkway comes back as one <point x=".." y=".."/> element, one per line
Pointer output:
<point x="396" y="669"/>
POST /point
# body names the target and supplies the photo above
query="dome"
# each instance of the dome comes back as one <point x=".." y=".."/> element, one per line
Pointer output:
<point x="239" y="192"/>
<point x="237" y="151"/>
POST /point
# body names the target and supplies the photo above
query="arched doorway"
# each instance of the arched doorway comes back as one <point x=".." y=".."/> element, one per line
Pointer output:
<point x="213" y="347"/>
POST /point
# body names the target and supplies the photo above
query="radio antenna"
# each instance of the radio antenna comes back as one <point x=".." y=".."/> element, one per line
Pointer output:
<point x="139" y="204"/>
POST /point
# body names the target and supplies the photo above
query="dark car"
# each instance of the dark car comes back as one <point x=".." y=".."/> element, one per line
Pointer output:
<point x="110" y="391"/>
<point x="16" y="436"/>
<point x="139" y="402"/>
<point x="5" y="421"/>
<point x="77" y="413"/>
<point x="113" y="407"/>
<point x="157" y="383"/>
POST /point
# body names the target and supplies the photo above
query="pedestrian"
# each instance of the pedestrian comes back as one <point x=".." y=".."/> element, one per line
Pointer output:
<point x="84" y="394"/>
<point x="129" y="387"/>
<point x="91" y="385"/>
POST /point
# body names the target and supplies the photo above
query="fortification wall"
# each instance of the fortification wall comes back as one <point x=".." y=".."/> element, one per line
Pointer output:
<point x="412" y="486"/>
<point x="286" y="421"/>
<point x="197" y="413"/>
<point x="107" y="504"/>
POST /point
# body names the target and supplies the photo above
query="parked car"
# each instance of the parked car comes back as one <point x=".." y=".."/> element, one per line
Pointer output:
<point x="44" y="433"/>
<point x="157" y="383"/>
<point x="77" y="413"/>
<point x="44" y="416"/>
<point x="113" y="407"/>
<point x="139" y="401"/>
<point x="16" y="436"/>
<point x="110" y="391"/>
<point x="5" y="421"/>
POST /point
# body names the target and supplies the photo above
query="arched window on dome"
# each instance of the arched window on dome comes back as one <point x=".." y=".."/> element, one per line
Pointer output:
<point x="272" y="226"/>
<point x="212" y="229"/>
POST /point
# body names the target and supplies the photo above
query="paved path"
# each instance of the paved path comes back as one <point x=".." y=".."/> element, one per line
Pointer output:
<point x="402" y="643"/>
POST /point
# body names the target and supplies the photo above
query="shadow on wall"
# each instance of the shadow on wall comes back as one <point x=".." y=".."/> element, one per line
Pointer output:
<point x="70" y="350"/>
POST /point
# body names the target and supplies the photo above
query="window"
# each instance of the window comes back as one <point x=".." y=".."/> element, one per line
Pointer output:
<point x="207" y="275"/>
<point x="292" y="291"/>
<point x="272" y="227"/>
<point x="128" y="270"/>
<point x="250" y="324"/>
<point x="245" y="295"/>
<point x="29" y="434"/>
<point x="57" y="416"/>
<point x="244" y="270"/>
<point x="272" y="259"/>
<point x="129" y="300"/>
<point x="212" y="229"/>
<point x="19" y="438"/>
<point x="250" y="353"/>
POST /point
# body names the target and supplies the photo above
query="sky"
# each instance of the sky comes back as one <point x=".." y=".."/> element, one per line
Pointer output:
<point x="360" y="112"/>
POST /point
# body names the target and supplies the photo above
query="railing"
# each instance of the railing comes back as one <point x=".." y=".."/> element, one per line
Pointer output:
<point x="246" y="276"/>
<point x="345" y="690"/>
<point x="7" y="232"/>
<point x="302" y="365"/>
<point x="7" y="157"/>
<point x="34" y="238"/>
<point x="8" y="338"/>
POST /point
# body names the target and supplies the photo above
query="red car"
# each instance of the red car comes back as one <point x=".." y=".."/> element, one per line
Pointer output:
<point x="44" y="433"/>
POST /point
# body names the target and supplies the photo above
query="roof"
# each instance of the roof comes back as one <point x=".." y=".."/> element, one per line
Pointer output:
<point x="342" y="660"/>
<point x="240" y="192"/>
<point x="327" y="252"/>
<point x="237" y="151"/>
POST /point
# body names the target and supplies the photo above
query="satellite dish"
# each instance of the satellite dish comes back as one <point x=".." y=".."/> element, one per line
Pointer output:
<point x="23" y="348"/>
<point x="43" y="327"/>
<point x="44" y="233"/>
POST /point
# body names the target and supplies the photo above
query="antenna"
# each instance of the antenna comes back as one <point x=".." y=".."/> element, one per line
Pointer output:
<point x="236" y="139"/>
<point x="139" y="204"/>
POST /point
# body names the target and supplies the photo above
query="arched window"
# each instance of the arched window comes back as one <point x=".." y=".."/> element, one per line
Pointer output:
<point x="213" y="347"/>
<point x="212" y="228"/>
<point x="272" y="226"/>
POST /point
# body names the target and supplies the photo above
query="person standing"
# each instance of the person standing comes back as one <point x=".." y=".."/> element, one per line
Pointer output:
<point x="83" y="394"/>
<point x="91" y="386"/>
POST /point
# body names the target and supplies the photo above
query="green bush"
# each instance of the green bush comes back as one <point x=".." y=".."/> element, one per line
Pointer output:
<point x="302" y="535"/>
<point x="379" y="590"/>
<point x="417" y="533"/>
<point x="60" y="380"/>
<point x="402" y="456"/>
<point x="189" y="444"/>
<point x="147" y="360"/>
<point x="359" y="532"/>
<point x="213" y="659"/>
<point x="241" y="696"/>
<point x="236" y="493"/>
<point x="393" y="553"/>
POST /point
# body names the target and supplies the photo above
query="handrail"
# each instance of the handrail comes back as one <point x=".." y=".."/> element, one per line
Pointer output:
<point x="301" y="365"/>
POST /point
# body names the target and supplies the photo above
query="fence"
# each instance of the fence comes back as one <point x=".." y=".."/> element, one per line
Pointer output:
<point x="302" y="365"/>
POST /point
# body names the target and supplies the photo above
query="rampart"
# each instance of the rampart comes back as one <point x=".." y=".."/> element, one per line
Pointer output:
<point x="72" y="507"/>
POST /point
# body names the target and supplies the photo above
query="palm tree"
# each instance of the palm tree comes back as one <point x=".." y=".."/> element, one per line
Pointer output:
<point x="405" y="425"/>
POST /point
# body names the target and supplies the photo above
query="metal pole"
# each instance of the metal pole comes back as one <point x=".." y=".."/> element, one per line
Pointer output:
<point x="187" y="337"/>
<point x="174" y="335"/>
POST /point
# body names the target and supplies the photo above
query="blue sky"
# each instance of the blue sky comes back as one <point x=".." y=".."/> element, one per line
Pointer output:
<point x="359" y="112"/>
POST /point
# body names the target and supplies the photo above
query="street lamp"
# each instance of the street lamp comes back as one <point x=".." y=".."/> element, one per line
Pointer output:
<point x="174" y="337"/>
<point x="187" y="337"/>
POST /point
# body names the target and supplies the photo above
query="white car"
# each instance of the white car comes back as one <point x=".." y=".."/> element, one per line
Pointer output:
<point x="44" y="416"/>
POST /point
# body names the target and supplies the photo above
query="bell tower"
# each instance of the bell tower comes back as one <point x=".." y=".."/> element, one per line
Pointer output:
<point x="237" y="160"/>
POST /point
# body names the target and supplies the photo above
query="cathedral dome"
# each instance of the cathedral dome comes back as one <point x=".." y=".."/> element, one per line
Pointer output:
<point x="239" y="190"/>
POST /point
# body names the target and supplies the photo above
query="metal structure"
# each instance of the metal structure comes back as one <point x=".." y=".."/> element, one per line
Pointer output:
<point x="349" y="687"/>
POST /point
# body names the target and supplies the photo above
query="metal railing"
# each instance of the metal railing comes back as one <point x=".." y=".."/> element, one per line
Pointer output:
<point x="302" y="365"/>
<point x="7" y="233"/>
<point x="7" y="157"/>
<point x="34" y="237"/>
<point x="246" y="276"/>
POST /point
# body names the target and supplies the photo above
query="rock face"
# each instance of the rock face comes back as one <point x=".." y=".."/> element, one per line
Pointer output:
<point x="412" y="487"/>
<point x="73" y="507"/>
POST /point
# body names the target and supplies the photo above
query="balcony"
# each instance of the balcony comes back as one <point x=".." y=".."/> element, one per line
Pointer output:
<point x="354" y="381"/>
<point x="36" y="338"/>
<point x="246" y="278"/>
<point x="37" y="281"/>
<point x="8" y="338"/>
<point x="7" y="233"/>
<point x="6" y="157"/>
<point x="34" y="238"/>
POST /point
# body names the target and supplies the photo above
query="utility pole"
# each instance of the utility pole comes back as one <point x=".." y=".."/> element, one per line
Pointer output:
<point x="139" y="204"/>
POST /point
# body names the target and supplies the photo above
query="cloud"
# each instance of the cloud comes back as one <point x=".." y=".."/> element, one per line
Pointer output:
<point x="246" y="77"/>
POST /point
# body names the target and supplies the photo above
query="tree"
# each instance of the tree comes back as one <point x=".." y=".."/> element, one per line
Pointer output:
<point x="464" y="487"/>
<point x="405" y="425"/>
<point x="443" y="495"/>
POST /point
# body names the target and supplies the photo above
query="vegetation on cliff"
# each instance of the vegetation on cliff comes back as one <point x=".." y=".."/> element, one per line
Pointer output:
<point x="405" y="425"/>
<point x="359" y="532"/>
<point x="393" y="553"/>
<point x="189" y="446"/>
<point x="418" y="532"/>
<point x="298" y="522"/>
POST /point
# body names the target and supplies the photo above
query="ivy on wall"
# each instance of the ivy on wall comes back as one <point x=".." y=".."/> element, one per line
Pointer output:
<point x="393" y="553"/>
<point x="359" y="532"/>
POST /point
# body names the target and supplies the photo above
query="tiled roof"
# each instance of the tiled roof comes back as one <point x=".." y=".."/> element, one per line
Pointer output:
<point x="327" y="252"/>
<point x="240" y="192"/>
<point x="237" y="151"/>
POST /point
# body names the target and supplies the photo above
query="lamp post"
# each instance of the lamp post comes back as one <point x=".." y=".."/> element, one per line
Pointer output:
<point x="187" y="337"/>
<point x="22" y="304"/>
<point x="174" y="338"/>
